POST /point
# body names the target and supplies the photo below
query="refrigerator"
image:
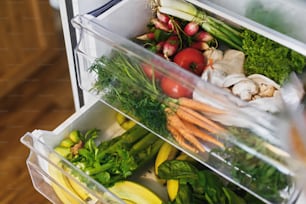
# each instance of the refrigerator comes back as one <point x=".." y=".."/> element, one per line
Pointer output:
<point x="96" y="28"/>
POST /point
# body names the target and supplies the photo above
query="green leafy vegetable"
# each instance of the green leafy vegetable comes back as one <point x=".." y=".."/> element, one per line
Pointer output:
<point x="199" y="185"/>
<point x="118" y="158"/>
<point x="264" y="56"/>
<point x="256" y="174"/>
<point x="120" y="77"/>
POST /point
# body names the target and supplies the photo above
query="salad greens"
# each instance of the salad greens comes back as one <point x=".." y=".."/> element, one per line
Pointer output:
<point x="265" y="179"/>
<point x="115" y="159"/>
<point x="198" y="185"/>
<point x="264" y="56"/>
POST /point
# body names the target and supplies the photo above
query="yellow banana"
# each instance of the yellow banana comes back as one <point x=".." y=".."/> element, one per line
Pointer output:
<point x="65" y="197"/>
<point x="172" y="188"/>
<point x="124" y="122"/>
<point x="173" y="184"/>
<point x="82" y="193"/>
<point x="133" y="192"/>
<point x="166" y="152"/>
<point x="128" y="124"/>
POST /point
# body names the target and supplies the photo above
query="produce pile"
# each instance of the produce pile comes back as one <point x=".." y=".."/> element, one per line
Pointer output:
<point x="113" y="162"/>
<point x="239" y="60"/>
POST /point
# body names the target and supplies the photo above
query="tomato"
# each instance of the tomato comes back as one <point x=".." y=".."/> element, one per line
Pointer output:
<point x="191" y="59"/>
<point x="174" y="89"/>
<point x="149" y="70"/>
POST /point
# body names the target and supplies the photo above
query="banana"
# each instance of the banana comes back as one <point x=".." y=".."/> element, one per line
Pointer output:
<point x="172" y="188"/>
<point x="124" y="122"/>
<point x="66" y="197"/>
<point x="166" y="152"/>
<point x="82" y="193"/>
<point x="173" y="184"/>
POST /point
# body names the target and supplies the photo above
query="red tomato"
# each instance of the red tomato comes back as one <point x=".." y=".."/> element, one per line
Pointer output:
<point x="191" y="59"/>
<point x="174" y="89"/>
<point x="149" y="71"/>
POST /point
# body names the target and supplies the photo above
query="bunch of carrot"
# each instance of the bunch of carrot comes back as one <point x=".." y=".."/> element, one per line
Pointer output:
<point x="189" y="126"/>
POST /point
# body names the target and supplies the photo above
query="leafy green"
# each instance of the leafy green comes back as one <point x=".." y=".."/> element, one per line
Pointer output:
<point x="264" y="56"/>
<point x="119" y="80"/>
<point x="115" y="159"/>
<point x="199" y="185"/>
<point x="258" y="175"/>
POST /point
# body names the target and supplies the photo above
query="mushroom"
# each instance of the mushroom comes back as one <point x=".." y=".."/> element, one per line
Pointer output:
<point x="266" y="86"/>
<point x="245" y="89"/>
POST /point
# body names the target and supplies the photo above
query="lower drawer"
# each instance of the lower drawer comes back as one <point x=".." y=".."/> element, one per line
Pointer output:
<point x="51" y="184"/>
<point x="47" y="176"/>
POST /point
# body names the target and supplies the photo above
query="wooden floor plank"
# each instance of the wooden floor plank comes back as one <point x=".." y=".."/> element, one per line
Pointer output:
<point x="39" y="100"/>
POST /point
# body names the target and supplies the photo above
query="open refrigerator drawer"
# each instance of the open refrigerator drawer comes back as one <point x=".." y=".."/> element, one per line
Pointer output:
<point x="236" y="140"/>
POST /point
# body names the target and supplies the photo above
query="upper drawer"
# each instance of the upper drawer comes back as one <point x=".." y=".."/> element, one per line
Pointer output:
<point x="235" y="139"/>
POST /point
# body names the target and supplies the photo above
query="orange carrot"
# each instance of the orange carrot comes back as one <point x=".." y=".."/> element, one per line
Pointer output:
<point x="199" y="106"/>
<point x="183" y="111"/>
<point x="202" y="135"/>
<point x="180" y="140"/>
<point x="197" y="119"/>
<point x="175" y="121"/>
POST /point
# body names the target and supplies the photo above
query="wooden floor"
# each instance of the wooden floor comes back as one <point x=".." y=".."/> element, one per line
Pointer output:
<point x="40" y="99"/>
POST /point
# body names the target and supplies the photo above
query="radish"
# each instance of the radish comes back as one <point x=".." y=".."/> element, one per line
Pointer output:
<point x="171" y="45"/>
<point x="200" y="45"/>
<point x="191" y="28"/>
<point x="146" y="36"/>
<point x="172" y="25"/>
<point x="160" y="25"/>
<point x="203" y="36"/>
<point x="162" y="17"/>
<point x="160" y="46"/>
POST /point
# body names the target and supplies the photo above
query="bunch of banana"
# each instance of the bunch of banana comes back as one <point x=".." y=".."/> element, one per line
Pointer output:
<point x="124" y="122"/>
<point x="62" y="188"/>
<point x="70" y="191"/>
<point x="168" y="152"/>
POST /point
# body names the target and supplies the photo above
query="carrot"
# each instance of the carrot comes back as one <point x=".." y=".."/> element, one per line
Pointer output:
<point x="202" y="135"/>
<point x="202" y="121"/>
<point x="189" y="115"/>
<point x="175" y="121"/>
<point x="199" y="106"/>
<point x="180" y="140"/>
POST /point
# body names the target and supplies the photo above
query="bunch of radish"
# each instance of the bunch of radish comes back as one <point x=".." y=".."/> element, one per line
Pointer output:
<point x="179" y="41"/>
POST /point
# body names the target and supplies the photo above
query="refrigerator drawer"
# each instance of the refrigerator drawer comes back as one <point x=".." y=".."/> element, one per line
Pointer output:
<point x="108" y="61"/>
<point x="48" y="176"/>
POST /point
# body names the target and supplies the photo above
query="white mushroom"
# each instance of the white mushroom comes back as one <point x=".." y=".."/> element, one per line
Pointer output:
<point x="267" y="86"/>
<point x="245" y="89"/>
<point x="232" y="79"/>
<point x="269" y="104"/>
